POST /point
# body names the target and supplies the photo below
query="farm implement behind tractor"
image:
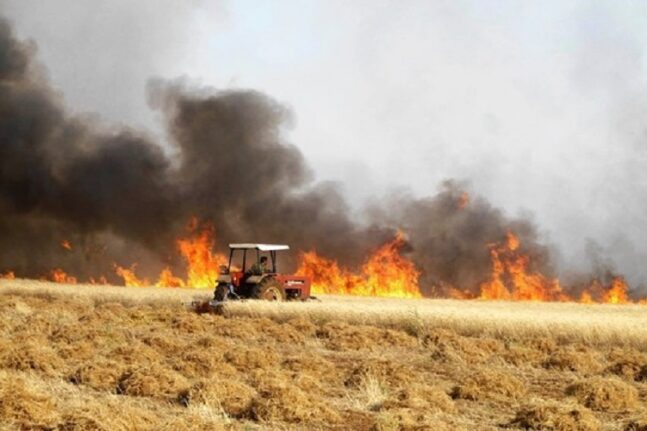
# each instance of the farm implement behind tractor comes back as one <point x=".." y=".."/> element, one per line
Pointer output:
<point x="260" y="280"/>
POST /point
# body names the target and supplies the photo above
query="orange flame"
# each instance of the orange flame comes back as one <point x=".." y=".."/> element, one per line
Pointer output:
<point x="167" y="279"/>
<point x="385" y="273"/>
<point x="100" y="280"/>
<point x="511" y="278"/>
<point x="57" y="275"/>
<point x="326" y="275"/>
<point x="129" y="276"/>
<point x="617" y="293"/>
<point x="463" y="200"/>
<point x="202" y="264"/>
<point x="586" y="298"/>
<point x="9" y="275"/>
<point x="455" y="293"/>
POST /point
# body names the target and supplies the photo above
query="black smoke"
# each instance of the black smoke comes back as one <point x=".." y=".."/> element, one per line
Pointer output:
<point x="118" y="197"/>
<point x="122" y="199"/>
<point x="450" y="235"/>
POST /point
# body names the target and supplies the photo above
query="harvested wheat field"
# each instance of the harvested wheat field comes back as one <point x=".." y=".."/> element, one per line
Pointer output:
<point x="99" y="357"/>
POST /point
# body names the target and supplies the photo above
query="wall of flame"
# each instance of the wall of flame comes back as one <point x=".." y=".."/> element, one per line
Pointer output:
<point x="385" y="272"/>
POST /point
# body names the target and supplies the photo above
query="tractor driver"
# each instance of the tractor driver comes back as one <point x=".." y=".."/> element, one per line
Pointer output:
<point x="260" y="267"/>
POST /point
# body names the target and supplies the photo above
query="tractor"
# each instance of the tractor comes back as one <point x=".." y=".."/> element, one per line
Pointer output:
<point x="249" y="282"/>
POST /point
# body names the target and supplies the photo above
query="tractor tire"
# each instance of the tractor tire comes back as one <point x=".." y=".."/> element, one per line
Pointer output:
<point x="221" y="293"/>
<point x="269" y="290"/>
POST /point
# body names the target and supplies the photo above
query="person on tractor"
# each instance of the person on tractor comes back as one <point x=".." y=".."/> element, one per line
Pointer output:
<point x="260" y="267"/>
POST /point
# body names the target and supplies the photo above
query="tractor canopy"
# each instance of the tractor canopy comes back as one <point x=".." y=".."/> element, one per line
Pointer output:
<point x="246" y="248"/>
<point x="261" y="247"/>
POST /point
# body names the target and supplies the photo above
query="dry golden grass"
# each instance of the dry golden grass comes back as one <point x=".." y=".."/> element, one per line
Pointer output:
<point x="558" y="416"/>
<point x="604" y="324"/>
<point x="608" y="394"/>
<point x="100" y="357"/>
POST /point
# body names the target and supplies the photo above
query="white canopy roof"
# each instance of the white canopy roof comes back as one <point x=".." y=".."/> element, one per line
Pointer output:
<point x="261" y="247"/>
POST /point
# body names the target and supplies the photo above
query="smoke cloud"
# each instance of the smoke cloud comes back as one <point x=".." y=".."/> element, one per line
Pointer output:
<point x="450" y="234"/>
<point x="118" y="196"/>
<point x="62" y="177"/>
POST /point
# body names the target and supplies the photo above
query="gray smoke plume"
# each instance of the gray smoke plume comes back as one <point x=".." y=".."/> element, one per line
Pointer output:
<point x="118" y="198"/>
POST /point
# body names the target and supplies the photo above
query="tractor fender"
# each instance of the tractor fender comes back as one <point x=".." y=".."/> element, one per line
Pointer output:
<point x="257" y="279"/>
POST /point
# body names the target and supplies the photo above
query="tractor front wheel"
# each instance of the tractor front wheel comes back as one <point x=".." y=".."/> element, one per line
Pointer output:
<point x="269" y="290"/>
<point x="221" y="293"/>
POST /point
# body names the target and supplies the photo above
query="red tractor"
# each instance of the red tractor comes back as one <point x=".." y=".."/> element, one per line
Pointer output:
<point x="258" y="281"/>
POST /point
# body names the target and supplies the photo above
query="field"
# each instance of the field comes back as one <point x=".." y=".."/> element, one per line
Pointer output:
<point x="100" y="357"/>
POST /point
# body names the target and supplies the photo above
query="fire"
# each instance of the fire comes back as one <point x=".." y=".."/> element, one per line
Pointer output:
<point x="512" y="241"/>
<point x="385" y="273"/>
<point x="326" y="275"/>
<point x="167" y="279"/>
<point x="463" y="200"/>
<point x="586" y="298"/>
<point x="100" y="280"/>
<point x="196" y="249"/>
<point x="202" y="264"/>
<point x="455" y="293"/>
<point x="57" y="275"/>
<point x="389" y="274"/>
<point x="129" y="276"/>
<point x="617" y="293"/>
<point x="511" y="278"/>
<point x="9" y="275"/>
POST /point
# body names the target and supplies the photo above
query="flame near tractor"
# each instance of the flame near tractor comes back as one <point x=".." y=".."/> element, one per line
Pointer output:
<point x="385" y="273"/>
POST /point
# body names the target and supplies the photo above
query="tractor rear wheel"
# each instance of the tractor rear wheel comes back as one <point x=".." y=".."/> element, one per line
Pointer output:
<point x="269" y="290"/>
<point x="222" y="290"/>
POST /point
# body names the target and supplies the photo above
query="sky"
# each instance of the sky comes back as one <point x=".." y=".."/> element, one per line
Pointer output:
<point x="538" y="106"/>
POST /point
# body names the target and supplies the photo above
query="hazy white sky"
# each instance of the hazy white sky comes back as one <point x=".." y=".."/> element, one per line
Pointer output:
<point x="542" y="106"/>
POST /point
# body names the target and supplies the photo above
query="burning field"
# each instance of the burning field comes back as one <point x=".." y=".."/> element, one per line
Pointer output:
<point x="436" y="312"/>
<point x="386" y="272"/>
<point x="84" y="202"/>
<point x="115" y="358"/>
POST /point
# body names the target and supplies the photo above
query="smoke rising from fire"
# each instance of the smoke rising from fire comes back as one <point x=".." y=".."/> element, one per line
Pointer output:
<point x="449" y="234"/>
<point x="116" y="194"/>
<point x="62" y="176"/>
